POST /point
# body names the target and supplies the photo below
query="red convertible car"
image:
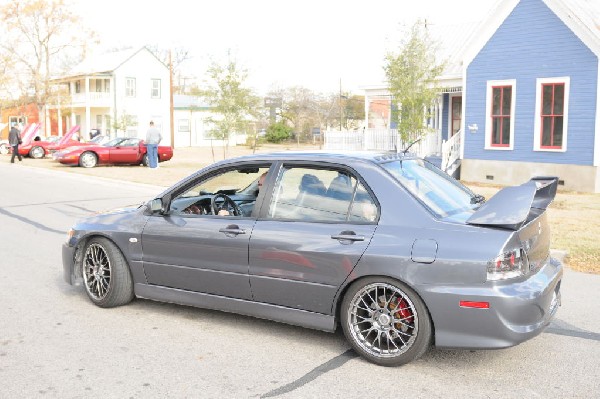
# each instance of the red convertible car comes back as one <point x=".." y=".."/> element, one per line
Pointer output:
<point x="122" y="150"/>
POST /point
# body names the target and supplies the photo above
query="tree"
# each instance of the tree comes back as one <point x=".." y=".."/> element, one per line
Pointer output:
<point x="411" y="75"/>
<point x="300" y="108"/>
<point x="233" y="103"/>
<point x="36" y="34"/>
<point x="178" y="56"/>
<point x="278" y="132"/>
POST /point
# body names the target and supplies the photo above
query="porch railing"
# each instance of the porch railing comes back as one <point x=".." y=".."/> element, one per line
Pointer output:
<point x="451" y="150"/>
<point x="379" y="140"/>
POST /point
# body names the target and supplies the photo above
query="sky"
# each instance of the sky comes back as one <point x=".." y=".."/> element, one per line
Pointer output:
<point x="319" y="45"/>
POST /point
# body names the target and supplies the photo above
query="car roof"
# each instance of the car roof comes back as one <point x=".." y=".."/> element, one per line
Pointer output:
<point x="326" y="156"/>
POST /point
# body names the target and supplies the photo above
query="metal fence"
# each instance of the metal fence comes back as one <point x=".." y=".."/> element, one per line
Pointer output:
<point x="379" y="140"/>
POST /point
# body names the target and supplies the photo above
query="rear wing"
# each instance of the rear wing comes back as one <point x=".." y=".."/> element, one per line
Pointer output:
<point x="513" y="206"/>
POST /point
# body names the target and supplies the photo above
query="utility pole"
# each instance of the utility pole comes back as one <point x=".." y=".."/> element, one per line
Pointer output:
<point x="172" y="123"/>
<point x="341" y="109"/>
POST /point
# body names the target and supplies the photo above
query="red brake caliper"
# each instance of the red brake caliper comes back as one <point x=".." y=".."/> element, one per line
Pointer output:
<point x="403" y="313"/>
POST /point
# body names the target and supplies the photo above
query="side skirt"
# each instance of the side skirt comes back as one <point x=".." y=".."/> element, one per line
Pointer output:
<point x="316" y="321"/>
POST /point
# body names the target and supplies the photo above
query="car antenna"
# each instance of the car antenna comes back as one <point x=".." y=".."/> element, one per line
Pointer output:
<point x="404" y="151"/>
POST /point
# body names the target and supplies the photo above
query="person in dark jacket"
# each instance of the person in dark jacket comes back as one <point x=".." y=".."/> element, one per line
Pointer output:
<point x="14" y="139"/>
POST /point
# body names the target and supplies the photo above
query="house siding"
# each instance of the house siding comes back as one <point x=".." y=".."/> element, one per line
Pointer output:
<point x="534" y="43"/>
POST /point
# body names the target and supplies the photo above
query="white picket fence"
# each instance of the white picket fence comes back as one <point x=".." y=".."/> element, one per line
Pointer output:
<point x="380" y="140"/>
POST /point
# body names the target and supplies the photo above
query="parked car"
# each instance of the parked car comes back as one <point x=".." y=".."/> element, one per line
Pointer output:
<point x="398" y="253"/>
<point x="4" y="147"/>
<point x="38" y="147"/>
<point x="121" y="150"/>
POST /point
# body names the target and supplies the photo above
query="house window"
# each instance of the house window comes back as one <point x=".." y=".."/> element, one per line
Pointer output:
<point x="184" y="125"/>
<point x="552" y="105"/>
<point x="78" y="86"/>
<point x="130" y="87"/>
<point x="553" y="97"/>
<point x="155" y="91"/>
<point x="500" y="122"/>
<point x="107" y="85"/>
<point x="500" y="117"/>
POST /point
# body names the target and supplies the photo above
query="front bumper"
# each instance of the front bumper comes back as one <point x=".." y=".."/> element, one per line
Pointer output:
<point x="518" y="310"/>
<point x="68" y="257"/>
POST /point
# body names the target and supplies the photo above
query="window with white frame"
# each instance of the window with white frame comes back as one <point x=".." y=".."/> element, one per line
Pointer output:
<point x="78" y="86"/>
<point x="129" y="87"/>
<point x="155" y="90"/>
<point x="551" y="114"/>
<point x="183" y="125"/>
<point x="500" y="114"/>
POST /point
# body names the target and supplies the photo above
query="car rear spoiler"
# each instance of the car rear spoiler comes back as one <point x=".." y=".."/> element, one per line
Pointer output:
<point x="511" y="206"/>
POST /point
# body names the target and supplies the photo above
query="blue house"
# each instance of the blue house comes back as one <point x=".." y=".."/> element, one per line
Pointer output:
<point x="531" y="94"/>
<point x="520" y="95"/>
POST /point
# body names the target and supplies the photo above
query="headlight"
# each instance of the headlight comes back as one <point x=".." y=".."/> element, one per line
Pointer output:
<point x="509" y="264"/>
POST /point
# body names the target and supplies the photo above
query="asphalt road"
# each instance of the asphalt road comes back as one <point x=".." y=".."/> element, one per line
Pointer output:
<point x="55" y="344"/>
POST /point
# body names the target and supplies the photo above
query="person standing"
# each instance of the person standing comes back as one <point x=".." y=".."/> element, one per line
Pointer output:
<point x="14" y="139"/>
<point x="153" y="138"/>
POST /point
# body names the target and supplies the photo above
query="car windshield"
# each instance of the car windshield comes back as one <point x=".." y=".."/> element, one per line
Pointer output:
<point x="442" y="194"/>
<point x="114" y="142"/>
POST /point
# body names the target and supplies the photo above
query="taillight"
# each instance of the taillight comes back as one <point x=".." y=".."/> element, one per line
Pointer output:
<point x="509" y="264"/>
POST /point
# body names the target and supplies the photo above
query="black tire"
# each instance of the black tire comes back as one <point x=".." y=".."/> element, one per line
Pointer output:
<point x="37" y="152"/>
<point x="106" y="276"/>
<point x="88" y="160"/>
<point x="145" y="160"/>
<point x="385" y="321"/>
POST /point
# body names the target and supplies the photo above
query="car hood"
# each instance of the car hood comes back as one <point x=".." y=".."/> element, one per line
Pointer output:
<point x="512" y="207"/>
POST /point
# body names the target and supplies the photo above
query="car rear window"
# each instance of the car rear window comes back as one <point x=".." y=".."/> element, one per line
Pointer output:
<point x="442" y="194"/>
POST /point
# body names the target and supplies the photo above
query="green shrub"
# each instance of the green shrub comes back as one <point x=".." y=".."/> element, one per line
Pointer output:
<point x="278" y="132"/>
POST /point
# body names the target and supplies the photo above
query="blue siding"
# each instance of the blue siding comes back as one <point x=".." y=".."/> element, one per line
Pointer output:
<point x="445" y="111"/>
<point x="534" y="43"/>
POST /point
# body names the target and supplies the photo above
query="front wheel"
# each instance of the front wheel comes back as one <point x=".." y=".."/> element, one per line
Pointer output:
<point x="106" y="275"/>
<point x="3" y="149"/>
<point x="145" y="160"/>
<point x="37" y="152"/>
<point x="385" y="321"/>
<point x="88" y="160"/>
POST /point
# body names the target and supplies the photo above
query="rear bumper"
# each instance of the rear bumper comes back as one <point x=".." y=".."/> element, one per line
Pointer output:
<point x="517" y="311"/>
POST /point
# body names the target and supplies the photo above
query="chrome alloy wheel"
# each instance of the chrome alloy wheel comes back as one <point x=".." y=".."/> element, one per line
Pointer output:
<point x="96" y="271"/>
<point x="37" y="152"/>
<point x="88" y="160"/>
<point x="383" y="320"/>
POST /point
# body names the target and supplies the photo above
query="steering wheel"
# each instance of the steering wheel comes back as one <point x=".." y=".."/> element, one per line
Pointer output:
<point x="228" y="204"/>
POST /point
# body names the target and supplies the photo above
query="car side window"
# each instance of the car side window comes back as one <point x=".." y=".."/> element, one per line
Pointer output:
<point x="318" y="194"/>
<point x="241" y="185"/>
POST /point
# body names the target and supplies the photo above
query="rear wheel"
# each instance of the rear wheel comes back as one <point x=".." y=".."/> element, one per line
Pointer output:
<point x="37" y="152"/>
<point x="145" y="160"/>
<point x="88" y="160"/>
<point x="385" y="321"/>
<point x="106" y="275"/>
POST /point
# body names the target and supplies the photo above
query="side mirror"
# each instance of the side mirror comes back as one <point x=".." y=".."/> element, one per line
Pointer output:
<point x="156" y="205"/>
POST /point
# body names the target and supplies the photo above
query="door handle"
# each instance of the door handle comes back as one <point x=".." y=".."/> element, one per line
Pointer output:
<point x="233" y="229"/>
<point x="348" y="236"/>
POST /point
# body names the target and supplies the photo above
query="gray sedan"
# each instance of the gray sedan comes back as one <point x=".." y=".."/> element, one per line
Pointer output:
<point x="386" y="245"/>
